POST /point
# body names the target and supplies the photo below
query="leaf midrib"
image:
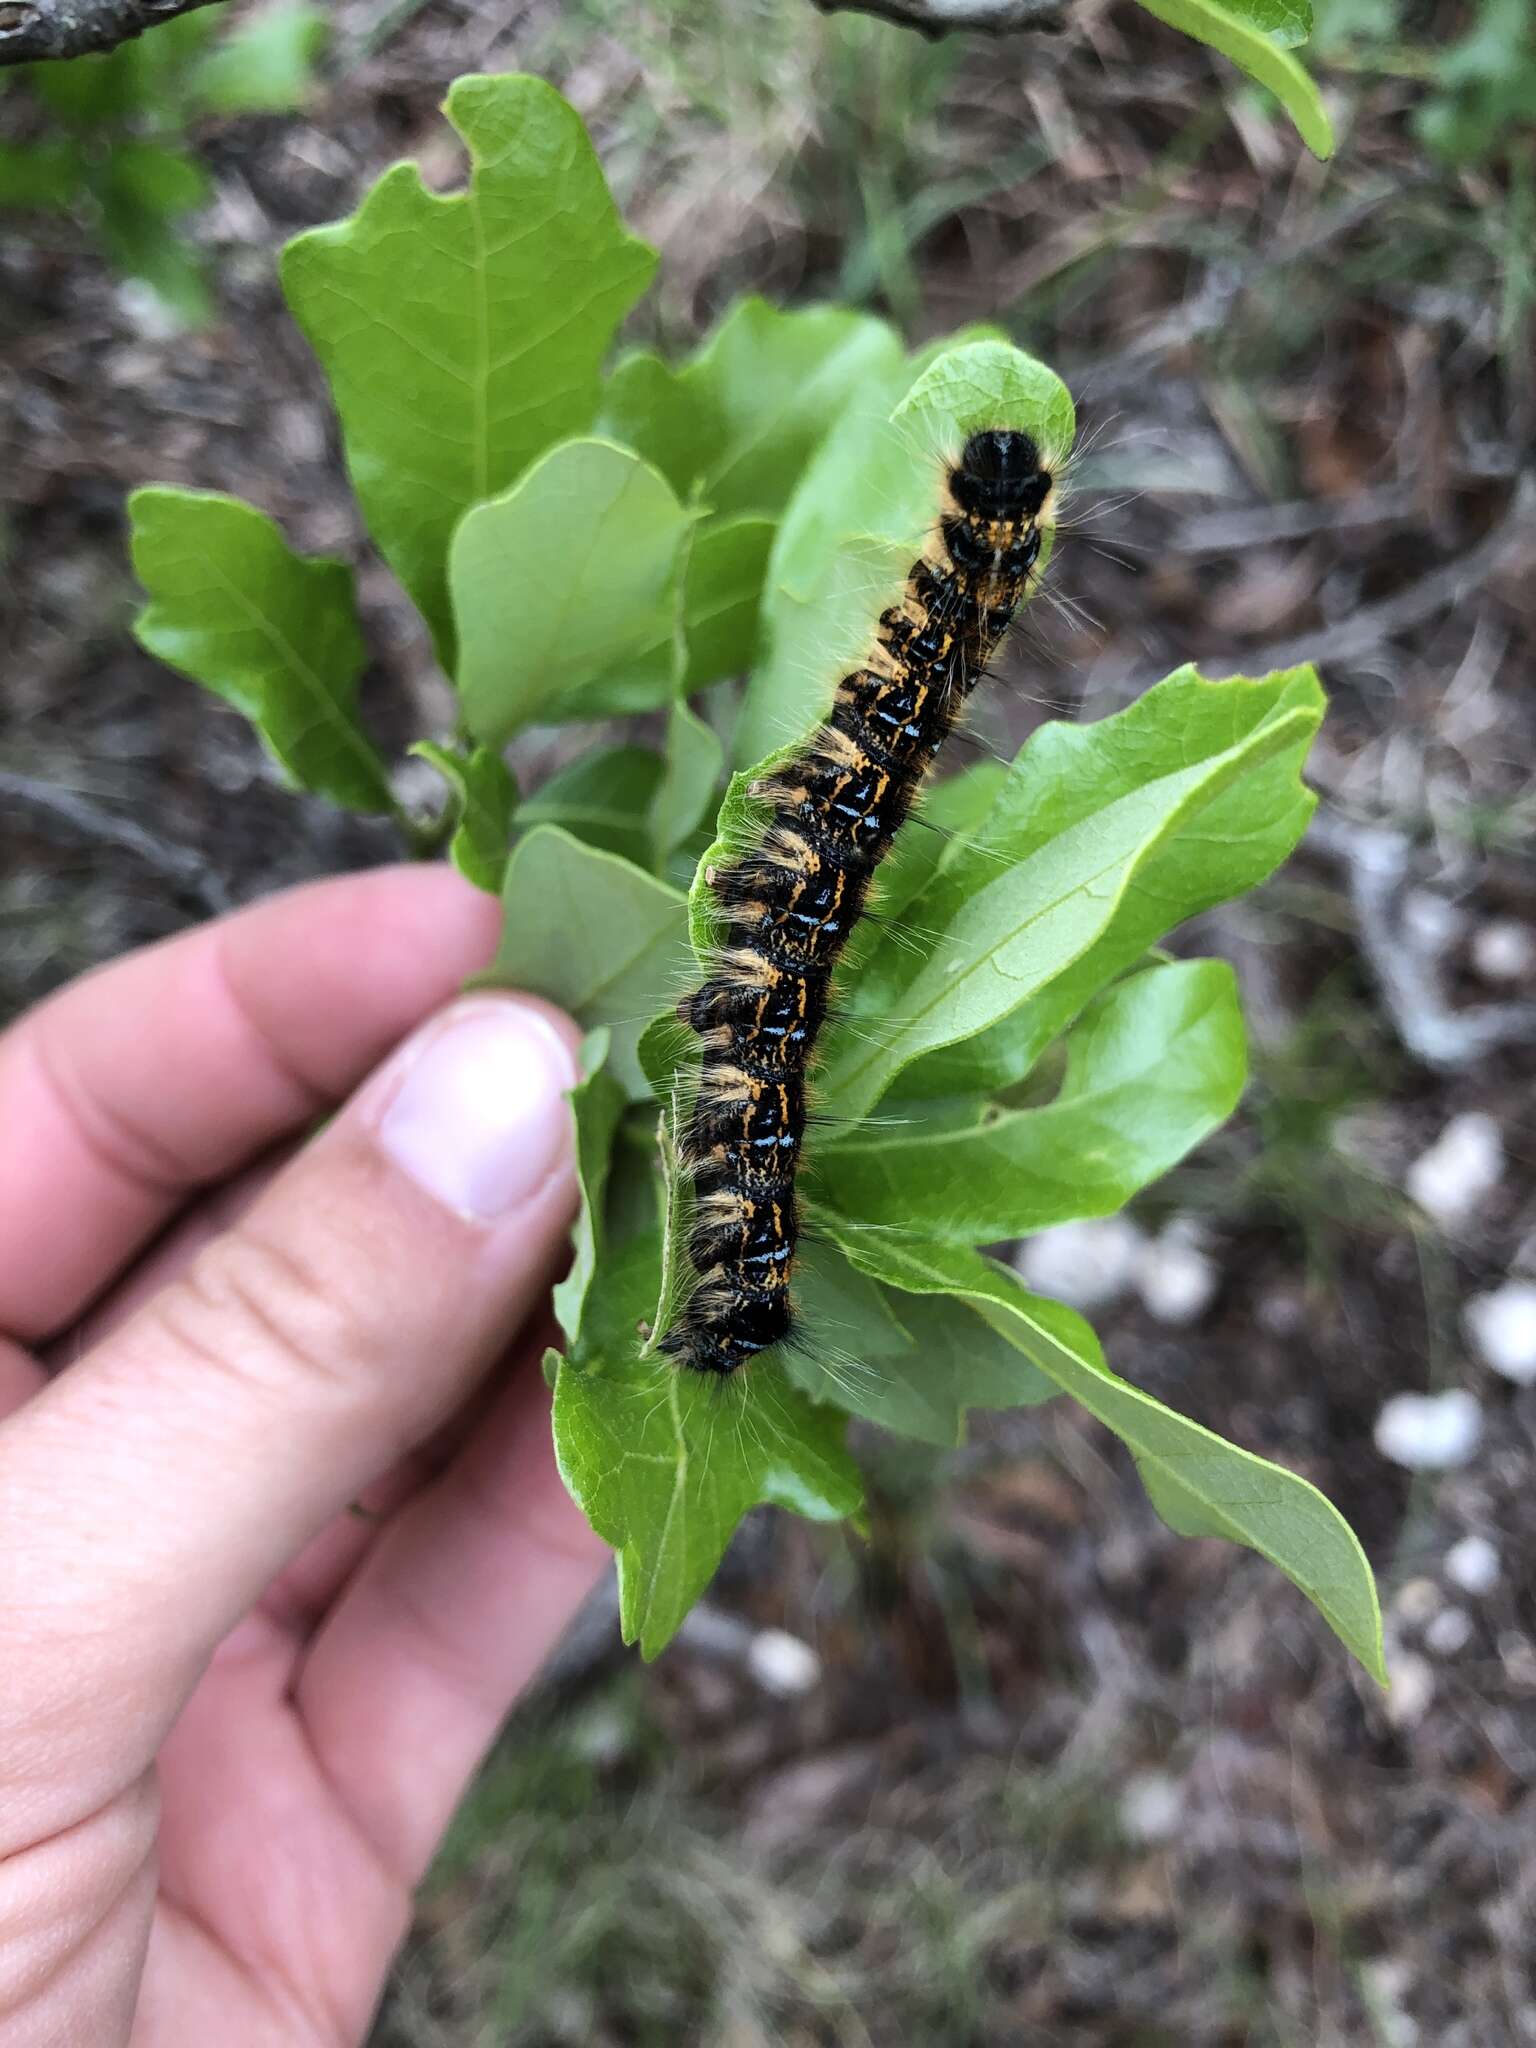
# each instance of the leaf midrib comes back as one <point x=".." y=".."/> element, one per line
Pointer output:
<point x="331" y="716"/>
<point x="1066" y="1102"/>
<point x="673" y="898"/>
<point x="1265" y="740"/>
<point x="1164" y="1462"/>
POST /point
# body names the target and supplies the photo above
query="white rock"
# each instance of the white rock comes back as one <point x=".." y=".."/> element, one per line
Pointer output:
<point x="1280" y="1312"/>
<point x="715" y="1632"/>
<point x="1416" y="1600"/>
<point x="1503" y="951"/>
<point x="1388" y="1981"/>
<point x="1472" y="1563"/>
<point x="1410" y="1688"/>
<point x="144" y="309"/>
<point x="1432" y="919"/>
<point x="1176" y="1279"/>
<point x="1502" y="1325"/>
<point x="1151" y="1807"/>
<point x="1088" y="1265"/>
<point x="782" y="1664"/>
<point x="1429" y="1432"/>
<point x="1449" y="1633"/>
<point x="602" y="1736"/>
<point x="1451" y="1178"/>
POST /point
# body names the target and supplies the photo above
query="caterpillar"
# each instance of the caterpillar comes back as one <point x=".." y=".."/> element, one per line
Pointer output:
<point x="791" y="902"/>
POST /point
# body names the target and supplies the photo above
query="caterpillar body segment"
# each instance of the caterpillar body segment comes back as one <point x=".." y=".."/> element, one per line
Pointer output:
<point x="791" y="902"/>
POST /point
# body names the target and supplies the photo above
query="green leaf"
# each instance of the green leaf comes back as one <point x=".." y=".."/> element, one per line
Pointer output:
<point x="693" y="764"/>
<point x="86" y="91"/>
<point x="1155" y="1065"/>
<point x="482" y="798"/>
<point x="737" y="423"/>
<point x="738" y="823"/>
<point x="462" y="336"/>
<point x="1286" y="22"/>
<point x="1014" y="929"/>
<point x="948" y="814"/>
<point x="1485" y="86"/>
<point x="1062" y="780"/>
<point x="606" y="799"/>
<point x="265" y="64"/>
<point x="987" y="384"/>
<point x="142" y="245"/>
<point x="163" y="181"/>
<point x="597" y="1103"/>
<point x="1199" y="1483"/>
<point x="860" y="516"/>
<point x="603" y="939"/>
<point x="811" y="640"/>
<point x="563" y="593"/>
<point x="909" y="1363"/>
<point x="45" y="176"/>
<point x="668" y="1056"/>
<point x="273" y="633"/>
<point x="1230" y="28"/>
<point x="665" y="1463"/>
<point x="722" y="593"/>
<point x="140" y="189"/>
<point x="650" y="407"/>
<point x="631" y="1208"/>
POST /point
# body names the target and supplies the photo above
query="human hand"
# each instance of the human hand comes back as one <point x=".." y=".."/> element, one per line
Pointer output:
<point x="234" y="1717"/>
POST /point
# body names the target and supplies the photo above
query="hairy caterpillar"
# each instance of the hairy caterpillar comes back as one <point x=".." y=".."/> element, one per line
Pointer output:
<point x="792" y="901"/>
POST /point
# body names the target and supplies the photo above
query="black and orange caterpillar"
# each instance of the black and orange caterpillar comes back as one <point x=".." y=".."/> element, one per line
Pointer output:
<point x="793" y="900"/>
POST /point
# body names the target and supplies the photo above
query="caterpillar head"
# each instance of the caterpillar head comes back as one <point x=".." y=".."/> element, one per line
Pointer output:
<point x="1000" y="476"/>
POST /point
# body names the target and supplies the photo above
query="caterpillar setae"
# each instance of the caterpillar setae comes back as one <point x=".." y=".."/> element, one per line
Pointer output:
<point x="791" y="902"/>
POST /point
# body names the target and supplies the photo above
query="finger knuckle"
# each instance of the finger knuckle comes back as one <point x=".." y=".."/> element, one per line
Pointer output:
<point x="60" y="1888"/>
<point x="263" y="1309"/>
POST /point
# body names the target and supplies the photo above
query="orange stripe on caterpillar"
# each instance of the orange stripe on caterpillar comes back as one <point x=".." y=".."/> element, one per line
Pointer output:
<point x="792" y="901"/>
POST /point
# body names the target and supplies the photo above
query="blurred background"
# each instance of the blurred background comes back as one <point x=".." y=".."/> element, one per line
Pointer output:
<point x="1024" y="1768"/>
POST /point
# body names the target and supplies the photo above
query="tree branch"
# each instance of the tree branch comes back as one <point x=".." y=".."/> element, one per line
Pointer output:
<point x="87" y="822"/>
<point x="935" y="18"/>
<point x="1439" y="591"/>
<point x="33" y="29"/>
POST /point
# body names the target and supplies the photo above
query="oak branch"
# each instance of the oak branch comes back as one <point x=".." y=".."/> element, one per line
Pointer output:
<point x="936" y="18"/>
<point x="33" y="29"/>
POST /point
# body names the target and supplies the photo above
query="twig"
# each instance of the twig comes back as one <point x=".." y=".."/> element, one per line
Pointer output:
<point x="1256" y="526"/>
<point x="1440" y="591"/>
<point x="935" y="18"/>
<point x="388" y="26"/>
<point x="1210" y="308"/>
<point x="1378" y="864"/>
<point x="33" y="29"/>
<point x="93" y="823"/>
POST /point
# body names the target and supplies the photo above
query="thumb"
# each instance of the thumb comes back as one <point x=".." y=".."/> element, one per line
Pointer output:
<point x="151" y="1491"/>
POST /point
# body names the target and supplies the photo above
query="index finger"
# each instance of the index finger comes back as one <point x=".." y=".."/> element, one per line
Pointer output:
<point x="166" y="1071"/>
